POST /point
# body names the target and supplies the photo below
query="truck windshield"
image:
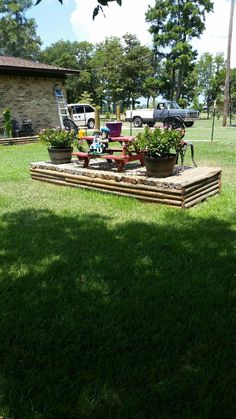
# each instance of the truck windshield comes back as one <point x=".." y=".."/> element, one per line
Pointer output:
<point x="172" y="105"/>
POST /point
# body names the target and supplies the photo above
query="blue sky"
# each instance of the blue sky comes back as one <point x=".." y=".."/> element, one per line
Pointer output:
<point x="53" y="20"/>
<point x="73" y="21"/>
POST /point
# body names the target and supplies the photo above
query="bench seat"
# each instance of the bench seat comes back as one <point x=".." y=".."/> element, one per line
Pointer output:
<point x="119" y="159"/>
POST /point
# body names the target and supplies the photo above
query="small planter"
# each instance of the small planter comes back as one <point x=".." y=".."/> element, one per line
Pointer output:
<point x="115" y="128"/>
<point x="160" y="166"/>
<point x="60" y="155"/>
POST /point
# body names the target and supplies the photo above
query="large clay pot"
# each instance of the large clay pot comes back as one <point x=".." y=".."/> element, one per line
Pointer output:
<point x="160" y="166"/>
<point x="60" y="155"/>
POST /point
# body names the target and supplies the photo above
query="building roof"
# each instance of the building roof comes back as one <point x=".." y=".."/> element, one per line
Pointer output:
<point x="15" y="65"/>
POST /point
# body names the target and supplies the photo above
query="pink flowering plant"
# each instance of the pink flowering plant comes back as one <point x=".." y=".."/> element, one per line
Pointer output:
<point x="57" y="137"/>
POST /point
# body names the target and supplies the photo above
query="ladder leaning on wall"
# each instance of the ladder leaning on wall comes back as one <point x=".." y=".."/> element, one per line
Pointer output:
<point x="61" y="106"/>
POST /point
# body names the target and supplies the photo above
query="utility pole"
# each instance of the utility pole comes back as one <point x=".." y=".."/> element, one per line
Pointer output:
<point x="227" y="78"/>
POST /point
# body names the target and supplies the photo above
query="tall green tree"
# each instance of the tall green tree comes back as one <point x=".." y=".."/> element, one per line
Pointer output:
<point x="177" y="75"/>
<point x="173" y="23"/>
<point x="137" y="71"/>
<point x="152" y="86"/>
<point x="119" y="69"/>
<point x="106" y="66"/>
<point x="76" y="55"/>
<point x="210" y="75"/>
<point x="18" y="35"/>
<point x="115" y="70"/>
<point x="233" y="89"/>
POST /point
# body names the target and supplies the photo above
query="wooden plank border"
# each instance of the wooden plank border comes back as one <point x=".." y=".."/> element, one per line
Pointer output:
<point x="203" y="186"/>
<point x="19" y="140"/>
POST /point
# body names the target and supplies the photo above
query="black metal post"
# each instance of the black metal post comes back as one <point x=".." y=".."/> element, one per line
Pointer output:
<point x="230" y="103"/>
<point x="213" y="122"/>
<point x="131" y="122"/>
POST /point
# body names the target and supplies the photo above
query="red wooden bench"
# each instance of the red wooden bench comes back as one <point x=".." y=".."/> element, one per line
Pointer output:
<point x="119" y="159"/>
<point x="121" y="139"/>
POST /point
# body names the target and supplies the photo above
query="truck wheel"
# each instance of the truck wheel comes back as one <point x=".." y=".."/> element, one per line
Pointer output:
<point x="69" y="125"/>
<point x="91" y="123"/>
<point x="173" y="123"/>
<point x="189" y="124"/>
<point x="137" y="122"/>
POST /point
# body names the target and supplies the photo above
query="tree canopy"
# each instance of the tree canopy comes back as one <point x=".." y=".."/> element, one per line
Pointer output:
<point x="210" y="75"/>
<point x="72" y="55"/>
<point x="173" y="23"/>
<point x="18" y="35"/>
<point x="115" y="70"/>
<point x="121" y="70"/>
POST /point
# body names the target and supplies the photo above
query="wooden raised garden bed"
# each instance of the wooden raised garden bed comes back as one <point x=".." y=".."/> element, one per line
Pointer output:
<point x="187" y="187"/>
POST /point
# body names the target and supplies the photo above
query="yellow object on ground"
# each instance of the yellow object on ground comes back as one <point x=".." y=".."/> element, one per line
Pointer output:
<point x="81" y="133"/>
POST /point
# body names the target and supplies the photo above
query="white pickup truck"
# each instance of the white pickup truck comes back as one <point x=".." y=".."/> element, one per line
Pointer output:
<point x="167" y="112"/>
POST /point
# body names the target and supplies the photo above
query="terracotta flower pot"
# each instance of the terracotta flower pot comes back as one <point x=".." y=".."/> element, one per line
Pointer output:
<point x="60" y="155"/>
<point x="160" y="166"/>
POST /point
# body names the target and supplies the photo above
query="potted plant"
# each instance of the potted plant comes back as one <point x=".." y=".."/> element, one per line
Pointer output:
<point x="7" y="123"/>
<point x="59" y="142"/>
<point x="159" y="147"/>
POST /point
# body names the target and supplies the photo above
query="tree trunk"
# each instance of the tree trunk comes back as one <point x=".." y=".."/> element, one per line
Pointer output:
<point x="208" y="107"/>
<point x="179" y="85"/>
<point x="227" y="78"/>
<point x="173" y="85"/>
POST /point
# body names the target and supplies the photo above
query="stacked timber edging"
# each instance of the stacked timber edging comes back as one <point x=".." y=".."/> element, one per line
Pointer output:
<point x="184" y="189"/>
<point x="19" y="140"/>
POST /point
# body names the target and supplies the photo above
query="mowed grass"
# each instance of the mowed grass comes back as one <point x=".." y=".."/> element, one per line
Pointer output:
<point x="112" y="308"/>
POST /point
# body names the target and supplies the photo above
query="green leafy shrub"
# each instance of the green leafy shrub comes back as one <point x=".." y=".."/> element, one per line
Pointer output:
<point x="158" y="142"/>
<point x="7" y="123"/>
<point x="57" y="137"/>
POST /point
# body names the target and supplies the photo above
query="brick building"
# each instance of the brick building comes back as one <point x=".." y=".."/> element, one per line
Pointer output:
<point x="28" y="89"/>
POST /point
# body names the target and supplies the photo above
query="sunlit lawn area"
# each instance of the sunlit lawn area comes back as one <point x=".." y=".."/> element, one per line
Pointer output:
<point x="112" y="308"/>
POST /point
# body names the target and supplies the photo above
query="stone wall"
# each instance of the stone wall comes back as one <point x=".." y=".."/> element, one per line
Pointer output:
<point x="31" y="97"/>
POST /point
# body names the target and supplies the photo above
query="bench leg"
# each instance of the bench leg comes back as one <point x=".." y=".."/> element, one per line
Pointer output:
<point x="141" y="160"/>
<point x="85" y="161"/>
<point x="120" y="165"/>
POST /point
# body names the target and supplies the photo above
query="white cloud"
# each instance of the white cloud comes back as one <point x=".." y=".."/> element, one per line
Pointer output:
<point x="130" y="17"/>
<point x="215" y="37"/>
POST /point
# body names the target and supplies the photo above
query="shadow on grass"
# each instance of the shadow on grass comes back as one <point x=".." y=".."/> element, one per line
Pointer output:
<point x="133" y="321"/>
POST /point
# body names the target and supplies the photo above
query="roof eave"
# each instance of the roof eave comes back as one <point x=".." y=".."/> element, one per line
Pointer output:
<point x="38" y="71"/>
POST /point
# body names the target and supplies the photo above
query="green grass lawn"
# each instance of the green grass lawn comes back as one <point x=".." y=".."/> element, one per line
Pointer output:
<point x="112" y="308"/>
